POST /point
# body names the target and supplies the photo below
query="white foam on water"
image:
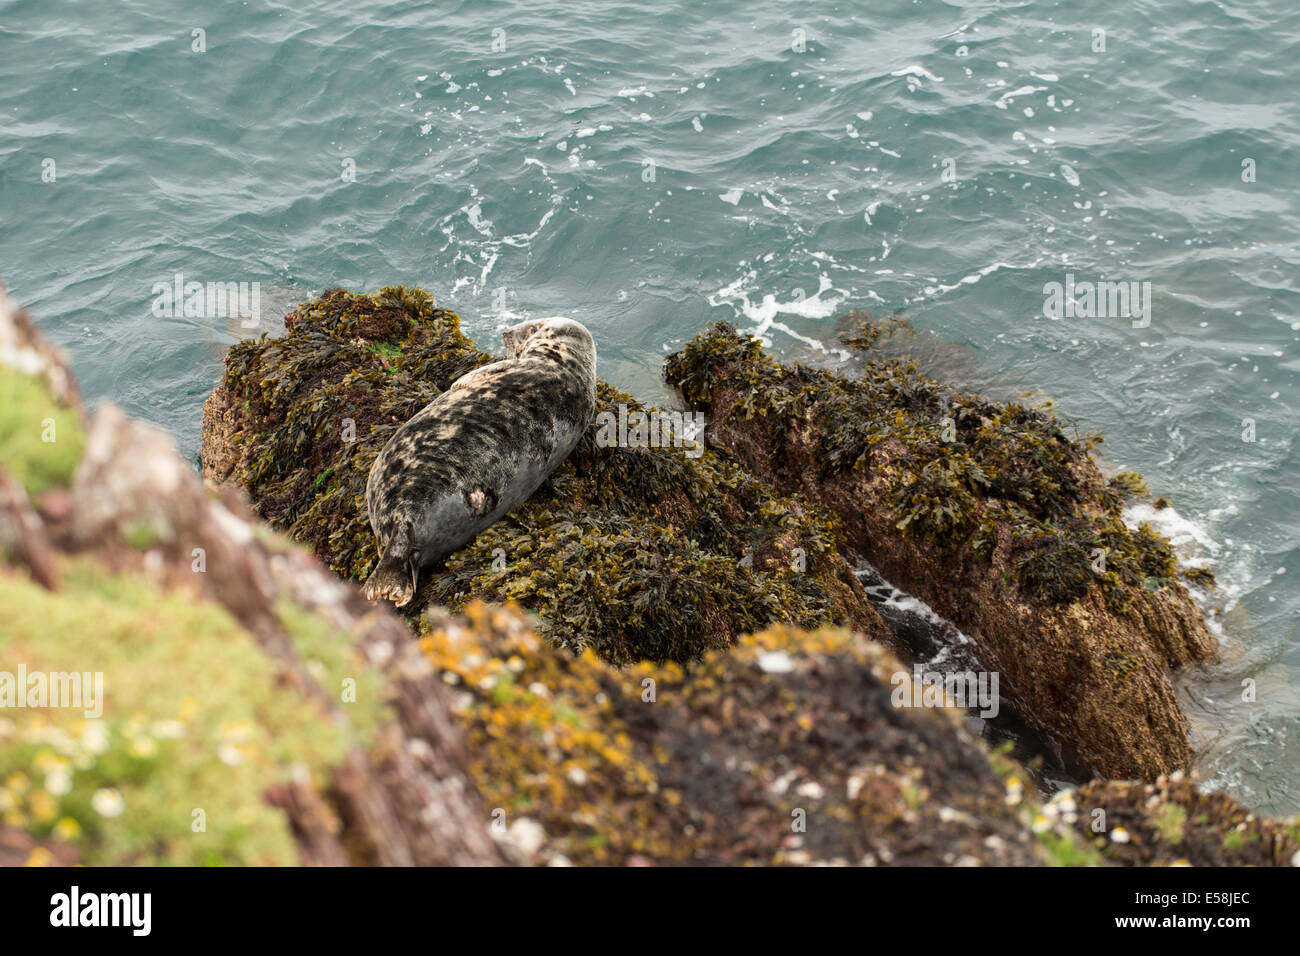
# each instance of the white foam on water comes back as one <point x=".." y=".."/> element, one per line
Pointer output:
<point x="483" y="254"/>
<point x="1009" y="96"/>
<point x="1195" y="547"/>
<point x="936" y="290"/>
<point x="475" y="216"/>
<point x="917" y="70"/>
<point x="906" y="604"/>
<point x="1191" y="542"/>
<point x="732" y="196"/>
<point x="764" y="313"/>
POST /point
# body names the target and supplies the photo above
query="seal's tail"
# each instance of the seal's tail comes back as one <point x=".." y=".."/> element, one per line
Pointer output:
<point x="390" y="581"/>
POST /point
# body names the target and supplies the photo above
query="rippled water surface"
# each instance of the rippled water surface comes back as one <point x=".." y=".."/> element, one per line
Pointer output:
<point x="650" y="168"/>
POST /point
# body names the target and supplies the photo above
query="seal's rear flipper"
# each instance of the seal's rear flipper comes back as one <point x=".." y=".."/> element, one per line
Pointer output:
<point x="397" y="575"/>
<point x="390" y="582"/>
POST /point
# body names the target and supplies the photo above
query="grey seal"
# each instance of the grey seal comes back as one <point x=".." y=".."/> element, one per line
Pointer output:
<point x="477" y="450"/>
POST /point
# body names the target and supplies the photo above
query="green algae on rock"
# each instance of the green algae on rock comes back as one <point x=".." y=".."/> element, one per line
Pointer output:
<point x="640" y="553"/>
<point x="989" y="513"/>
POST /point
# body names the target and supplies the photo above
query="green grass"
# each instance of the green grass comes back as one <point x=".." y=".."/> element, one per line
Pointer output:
<point x="194" y="717"/>
<point x="40" y="441"/>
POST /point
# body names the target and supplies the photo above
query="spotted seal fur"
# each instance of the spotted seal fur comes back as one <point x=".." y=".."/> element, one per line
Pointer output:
<point x="477" y="450"/>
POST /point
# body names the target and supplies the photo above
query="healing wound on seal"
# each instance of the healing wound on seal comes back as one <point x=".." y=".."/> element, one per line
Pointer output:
<point x="481" y="501"/>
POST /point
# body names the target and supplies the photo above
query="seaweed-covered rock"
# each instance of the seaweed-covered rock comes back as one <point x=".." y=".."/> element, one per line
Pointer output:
<point x="989" y="513"/>
<point x="643" y="553"/>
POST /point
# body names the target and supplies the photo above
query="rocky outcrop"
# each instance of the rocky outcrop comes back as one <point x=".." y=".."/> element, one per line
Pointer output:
<point x="785" y="749"/>
<point x="990" y="514"/>
<point x="642" y="553"/>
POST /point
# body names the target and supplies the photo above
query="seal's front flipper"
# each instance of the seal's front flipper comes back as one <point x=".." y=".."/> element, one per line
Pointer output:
<point x="481" y="501"/>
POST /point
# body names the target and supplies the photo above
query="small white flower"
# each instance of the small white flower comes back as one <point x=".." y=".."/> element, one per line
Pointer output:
<point x="1119" y="835"/>
<point x="108" y="802"/>
<point x="95" y="738"/>
<point x="776" y="662"/>
<point x="169" y="729"/>
<point x="527" y="835"/>
<point x="58" y="782"/>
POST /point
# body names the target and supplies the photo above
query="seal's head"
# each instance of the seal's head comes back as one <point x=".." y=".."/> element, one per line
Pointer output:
<point x="517" y="336"/>
<point x="555" y="337"/>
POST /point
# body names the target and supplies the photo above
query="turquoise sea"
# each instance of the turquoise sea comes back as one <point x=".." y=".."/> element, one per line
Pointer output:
<point x="650" y="168"/>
